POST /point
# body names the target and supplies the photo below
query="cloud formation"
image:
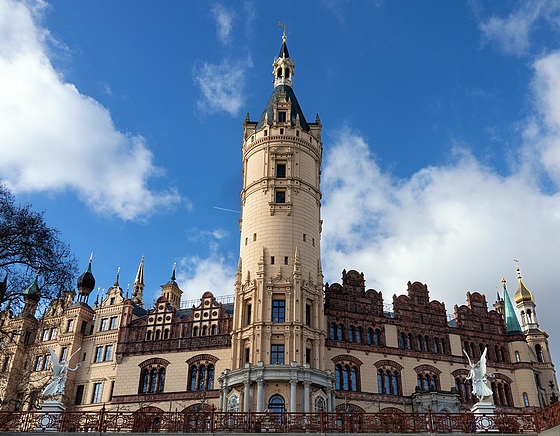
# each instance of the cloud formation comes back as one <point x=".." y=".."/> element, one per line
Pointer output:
<point x="54" y="138"/>
<point x="224" y="20"/>
<point x="222" y="85"/>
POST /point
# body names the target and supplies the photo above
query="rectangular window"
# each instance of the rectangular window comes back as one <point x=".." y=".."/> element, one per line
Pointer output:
<point x="69" y="325"/>
<point x="84" y="357"/>
<point x="277" y="354"/>
<point x="98" y="354"/>
<point x="38" y="363"/>
<point x="112" y="389"/>
<point x="280" y="196"/>
<point x="46" y="335"/>
<point x="26" y="340"/>
<point x="53" y="334"/>
<point x="304" y="237"/>
<point x="308" y="356"/>
<point x="96" y="397"/>
<point x="108" y="353"/>
<point x="79" y="395"/>
<point x="308" y="314"/>
<point x="5" y="364"/>
<point x="47" y="361"/>
<point x="272" y="260"/>
<point x="247" y="355"/>
<point x="104" y="323"/>
<point x="281" y="171"/>
<point x="63" y="353"/>
<point x="285" y="260"/>
<point x="254" y="237"/>
<point x="83" y="329"/>
<point x="112" y="301"/>
<point x="281" y="131"/>
<point x="297" y="132"/>
<point x="249" y="313"/>
<point x="281" y="116"/>
<point x="278" y="310"/>
<point x="113" y="323"/>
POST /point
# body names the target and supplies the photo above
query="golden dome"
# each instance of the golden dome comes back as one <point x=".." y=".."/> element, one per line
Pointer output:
<point x="522" y="295"/>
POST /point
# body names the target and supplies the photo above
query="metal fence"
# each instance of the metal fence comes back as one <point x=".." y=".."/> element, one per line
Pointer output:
<point x="284" y="422"/>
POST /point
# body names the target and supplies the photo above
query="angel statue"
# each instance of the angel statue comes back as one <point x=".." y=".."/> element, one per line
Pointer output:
<point x="478" y="375"/>
<point x="56" y="387"/>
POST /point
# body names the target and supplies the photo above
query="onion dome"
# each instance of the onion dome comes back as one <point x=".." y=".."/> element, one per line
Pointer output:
<point x="522" y="295"/>
<point x="33" y="292"/>
<point x="86" y="282"/>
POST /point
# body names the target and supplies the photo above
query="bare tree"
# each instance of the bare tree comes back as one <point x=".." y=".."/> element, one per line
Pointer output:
<point x="28" y="245"/>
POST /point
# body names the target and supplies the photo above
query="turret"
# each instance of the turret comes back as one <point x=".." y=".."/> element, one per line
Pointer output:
<point x="172" y="292"/>
<point x="86" y="283"/>
<point x="526" y="304"/>
<point x="31" y="297"/>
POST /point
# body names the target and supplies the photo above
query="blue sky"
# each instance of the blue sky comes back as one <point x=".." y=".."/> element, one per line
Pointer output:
<point x="441" y="134"/>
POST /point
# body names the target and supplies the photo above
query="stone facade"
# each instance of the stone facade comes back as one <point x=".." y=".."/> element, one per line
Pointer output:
<point x="289" y="342"/>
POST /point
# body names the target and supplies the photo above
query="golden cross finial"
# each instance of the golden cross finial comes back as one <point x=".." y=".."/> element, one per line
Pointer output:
<point x="517" y="267"/>
<point x="504" y="282"/>
<point x="284" y="26"/>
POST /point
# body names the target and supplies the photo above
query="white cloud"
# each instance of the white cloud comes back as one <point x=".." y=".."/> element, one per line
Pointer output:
<point x="53" y="138"/>
<point x="224" y="20"/>
<point x="222" y="86"/>
<point x="512" y="33"/>
<point x="456" y="227"/>
<point x="196" y="235"/>
<point x="197" y="275"/>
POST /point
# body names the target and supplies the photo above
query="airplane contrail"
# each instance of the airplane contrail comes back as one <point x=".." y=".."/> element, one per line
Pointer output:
<point x="227" y="210"/>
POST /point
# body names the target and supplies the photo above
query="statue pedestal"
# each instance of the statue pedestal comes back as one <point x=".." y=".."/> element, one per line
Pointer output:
<point x="51" y="416"/>
<point x="484" y="417"/>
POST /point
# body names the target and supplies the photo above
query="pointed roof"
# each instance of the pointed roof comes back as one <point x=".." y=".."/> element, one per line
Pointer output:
<point x="140" y="274"/>
<point x="269" y="108"/>
<point x="172" y="281"/>
<point x="512" y="323"/>
<point x="33" y="290"/>
<point x="284" y="50"/>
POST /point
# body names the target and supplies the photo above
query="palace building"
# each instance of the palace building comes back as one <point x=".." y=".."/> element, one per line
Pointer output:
<point x="286" y="341"/>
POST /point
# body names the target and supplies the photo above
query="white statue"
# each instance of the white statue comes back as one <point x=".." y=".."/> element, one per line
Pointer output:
<point x="478" y="376"/>
<point x="56" y="387"/>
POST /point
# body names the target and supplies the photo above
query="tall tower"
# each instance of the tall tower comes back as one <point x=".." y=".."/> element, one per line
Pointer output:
<point x="279" y="328"/>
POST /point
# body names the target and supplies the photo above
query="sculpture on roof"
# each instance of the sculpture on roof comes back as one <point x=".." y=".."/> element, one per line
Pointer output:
<point x="479" y="376"/>
<point x="60" y="368"/>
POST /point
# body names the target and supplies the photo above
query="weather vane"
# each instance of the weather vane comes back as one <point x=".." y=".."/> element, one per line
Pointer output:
<point x="284" y="26"/>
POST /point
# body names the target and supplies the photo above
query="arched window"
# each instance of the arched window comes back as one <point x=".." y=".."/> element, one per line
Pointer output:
<point x="144" y="381"/>
<point x="195" y="331"/>
<point x="538" y="351"/>
<point x="351" y="334"/>
<point x="166" y="334"/>
<point x="395" y="390"/>
<point x="201" y="377"/>
<point x="345" y="378"/>
<point x="279" y="73"/>
<point x="502" y="354"/>
<point x="204" y="331"/>
<point x="359" y="335"/>
<point x="354" y="378"/>
<point x="194" y="372"/>
<point x="369" y="335"/>
<point x="473" y="354"/>
<point x="338" y="375"/>
<point x="377" y="337"/>
<point x="481" y="347"/>
<point x="149" y="336"/>
<point x="387" y="382"/>
<point x="388" y="377"/>
<point x="526" y="399"/>
<point x="153" y="380"/>
<point x="233" y="404"/>
<point x="214" y="330"/>
<point x="517" y="357"/>
<point x="158" y="334"/>
<point x="436" y="345"/>
<point x="403" y="340"/>
<point x="466" y="348"/>
<point x="276" y="404"/>
<point x="442" y="346"/>
<point x="434" y="386"/>
<point x="161" y="381"/>
<point x="497" y="353"/>
<point x="320" y="404"/>
<point x="409" y="341"/>
<point x="380" y="381"/>
<point x="340" y="332"/>
<point x="419" y="342"/>
<point x="427" y="382"/>
<point x="210" y="383"/>
<point x="426" y="344"/>
<point x="420" y="381"/>
<point x="333" y="330"/>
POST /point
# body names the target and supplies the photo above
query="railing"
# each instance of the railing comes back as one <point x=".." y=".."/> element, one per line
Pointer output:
<point x="284" y="422"/>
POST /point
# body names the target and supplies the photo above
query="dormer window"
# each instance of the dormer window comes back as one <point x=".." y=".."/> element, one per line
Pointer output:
<point x="282" y="116"/>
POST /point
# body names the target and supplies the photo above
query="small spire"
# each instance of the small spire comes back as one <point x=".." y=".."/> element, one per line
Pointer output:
<point x="517" y="267"/>
<point x="97" y="297"/>
<point x="173" y="275"/>
<point x="128" y="287"/>
<point x="116" y="284"/>
<point x="140" y="275"/>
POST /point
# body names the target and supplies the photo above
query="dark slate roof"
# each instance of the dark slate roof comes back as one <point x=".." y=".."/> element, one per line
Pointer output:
<point x="81" y="303"/>
<point x="86" y="280"/>
<point x="183" y="313"/>
<point x="295" y="108"/>
<point x="139" y="310"/>
<point x="284" y="51"/>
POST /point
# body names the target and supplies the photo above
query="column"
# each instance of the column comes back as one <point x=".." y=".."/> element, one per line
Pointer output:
<point x="222" y="399"/>
<point x="260" y="395"/>
<point x="330" y="401"/>
<point x="306" y="398"/>
<point x="293" y="395"/>
<point x="246" y="396"/>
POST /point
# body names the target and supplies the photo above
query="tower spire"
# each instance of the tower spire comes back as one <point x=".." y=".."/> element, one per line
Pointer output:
<point x="138" y="287"/>
<point x="512" y="324"/>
